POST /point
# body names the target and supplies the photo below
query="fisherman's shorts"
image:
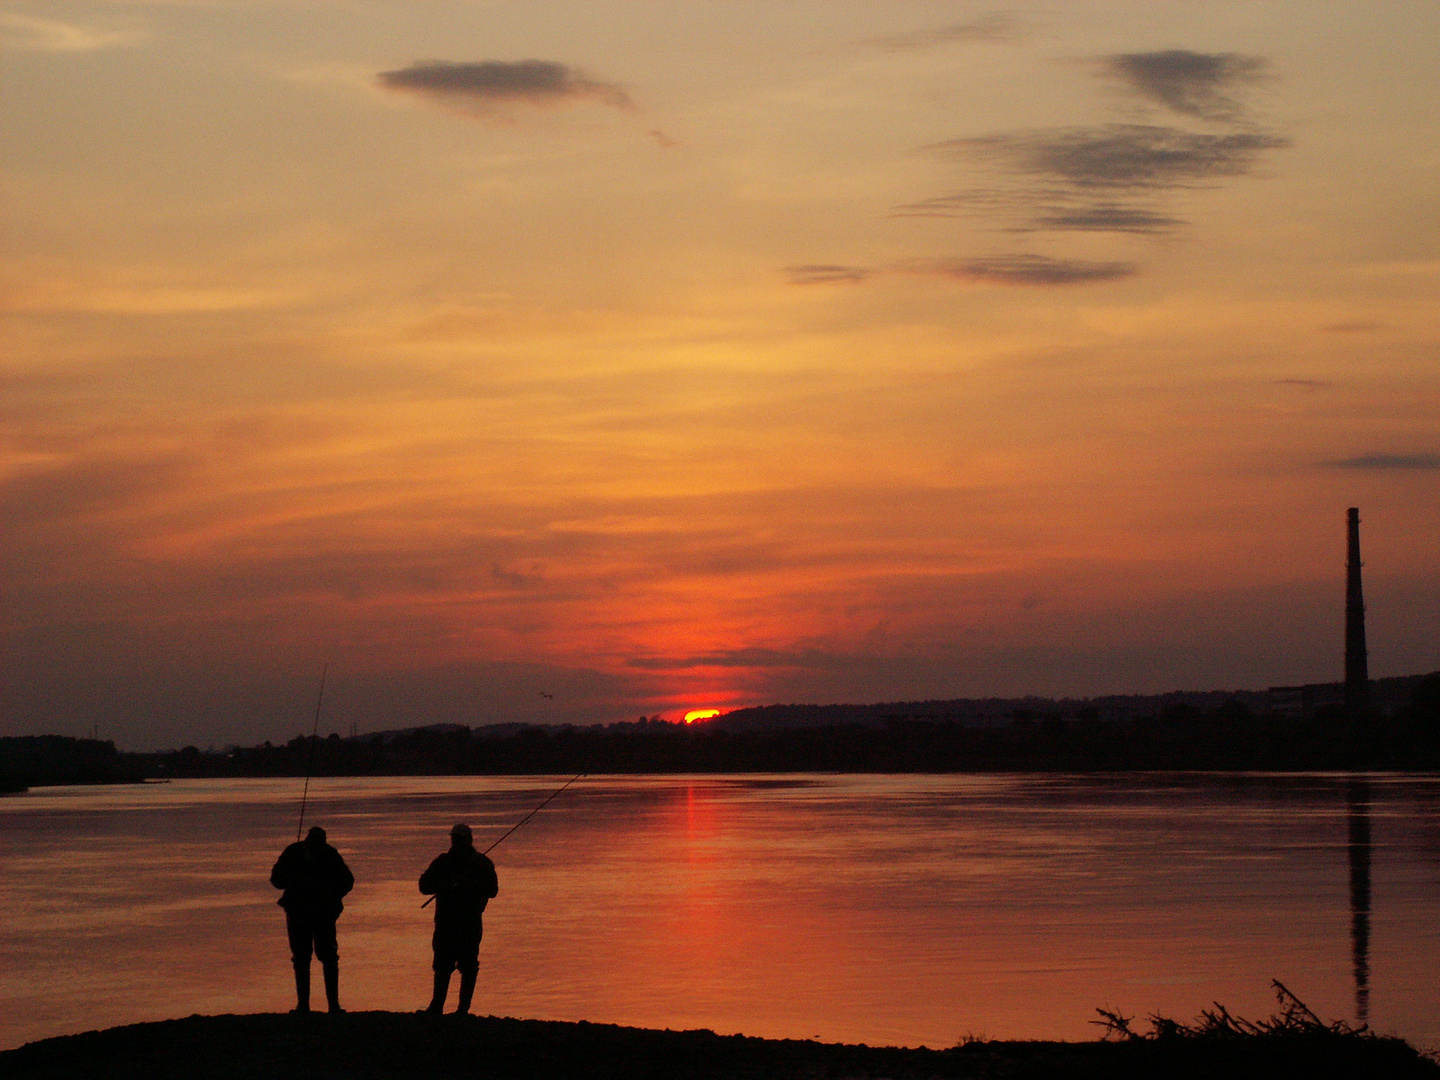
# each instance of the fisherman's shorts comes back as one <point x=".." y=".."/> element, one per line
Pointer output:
<point x="306" y="933"/>
<point x="457" y="948"/>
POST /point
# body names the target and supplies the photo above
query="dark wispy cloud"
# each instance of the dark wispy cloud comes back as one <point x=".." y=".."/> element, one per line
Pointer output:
<point x="1023" y="269"/>
<point x="995" y="26"/>
<point x="89" y="485"/>
<point x="1041" y="211"/>
<point x="1118" y="177"/>
<point x="1107" y="178"/>
<point x="1102" y="178"/>
<point x="740" y="658"/>
<point x="1190" y="83"/>
<point x="1118" y="156"/>
<point x="1382" y="462"/>
<point x="1011" y="269"/>
<point x="1308" y="384"/>
<point x="1356" y="327"/>
<point x="516" y="578"/>
<point x="826" y="273"/>
<point x="496" y="82"/>
<point x="1103" y="217"/>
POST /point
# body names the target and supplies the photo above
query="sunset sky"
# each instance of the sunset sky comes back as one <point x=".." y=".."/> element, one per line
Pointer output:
<point x="658" y="356"/>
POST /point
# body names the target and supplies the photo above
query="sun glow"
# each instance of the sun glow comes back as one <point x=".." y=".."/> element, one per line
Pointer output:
<point x="700" y="714"/>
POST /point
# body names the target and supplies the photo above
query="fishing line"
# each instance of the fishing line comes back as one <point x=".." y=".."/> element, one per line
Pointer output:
<point x="314" y="742"/>
<point x="522" y="821"/>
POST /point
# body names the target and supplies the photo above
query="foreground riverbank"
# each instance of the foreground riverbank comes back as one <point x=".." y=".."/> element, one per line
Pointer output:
<point x="396" y="1046"/>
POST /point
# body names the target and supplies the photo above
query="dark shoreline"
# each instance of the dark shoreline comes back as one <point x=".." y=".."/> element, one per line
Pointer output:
<point x="398" y="1046"/>
<point x="1241" y="731"/>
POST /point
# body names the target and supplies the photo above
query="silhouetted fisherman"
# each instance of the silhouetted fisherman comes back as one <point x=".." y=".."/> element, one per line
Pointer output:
<point x="462" y="880"/>
<point x="314" y="878"/>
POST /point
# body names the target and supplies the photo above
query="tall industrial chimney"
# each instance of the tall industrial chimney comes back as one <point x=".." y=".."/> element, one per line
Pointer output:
<point x="1357" y="676"/>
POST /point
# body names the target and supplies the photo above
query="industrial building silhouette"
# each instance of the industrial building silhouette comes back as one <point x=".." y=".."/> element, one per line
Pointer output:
<point x="1353" y="694"/>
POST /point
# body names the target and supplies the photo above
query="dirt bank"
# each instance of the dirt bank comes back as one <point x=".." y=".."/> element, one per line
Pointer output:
<point x="361" y="1046"/>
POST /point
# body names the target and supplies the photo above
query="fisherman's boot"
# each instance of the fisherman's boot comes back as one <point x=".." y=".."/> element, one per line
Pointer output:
<point x="442" y="987"/>
<point x="302" y="988"/>
<point x="467" y="991"/>
<point x="332" y="987"/>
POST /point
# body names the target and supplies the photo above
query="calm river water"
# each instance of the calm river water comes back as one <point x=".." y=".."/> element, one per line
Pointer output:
<point x="884" y="909"/>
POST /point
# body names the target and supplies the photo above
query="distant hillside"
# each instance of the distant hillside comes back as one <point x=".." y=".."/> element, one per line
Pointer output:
<point x="1213" y="730"/>
<point x="33" y="760"/>
<point x="1387" y="695"/>
<point x="1289" y="728"/>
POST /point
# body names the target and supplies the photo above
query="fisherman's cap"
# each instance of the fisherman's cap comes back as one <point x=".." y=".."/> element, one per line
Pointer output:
<point x="460" y="829"/>
<point x="316" y="833"/>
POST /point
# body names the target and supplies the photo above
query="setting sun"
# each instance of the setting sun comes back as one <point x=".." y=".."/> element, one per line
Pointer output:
<point x="700" y="714"/>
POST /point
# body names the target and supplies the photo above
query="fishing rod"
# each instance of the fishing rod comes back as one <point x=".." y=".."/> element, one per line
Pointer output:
<point x="314" y="742"/>
<point x="522" y="821"/>
<point x="532" y="813"/>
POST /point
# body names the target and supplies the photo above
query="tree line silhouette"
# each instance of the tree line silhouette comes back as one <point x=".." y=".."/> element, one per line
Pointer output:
<point x="1230" y="736"/>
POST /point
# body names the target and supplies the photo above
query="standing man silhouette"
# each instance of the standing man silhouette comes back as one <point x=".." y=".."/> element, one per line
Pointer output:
<point x="314" y="878"/>
<point x="462" y="880"/>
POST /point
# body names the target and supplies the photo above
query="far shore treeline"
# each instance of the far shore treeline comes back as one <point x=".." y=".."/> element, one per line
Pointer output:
<point x="1173" y="731"/>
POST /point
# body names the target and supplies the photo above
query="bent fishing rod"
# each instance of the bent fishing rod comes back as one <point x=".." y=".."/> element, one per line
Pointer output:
<point x="522" y="821"/>
<point x="314" y="742"/>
